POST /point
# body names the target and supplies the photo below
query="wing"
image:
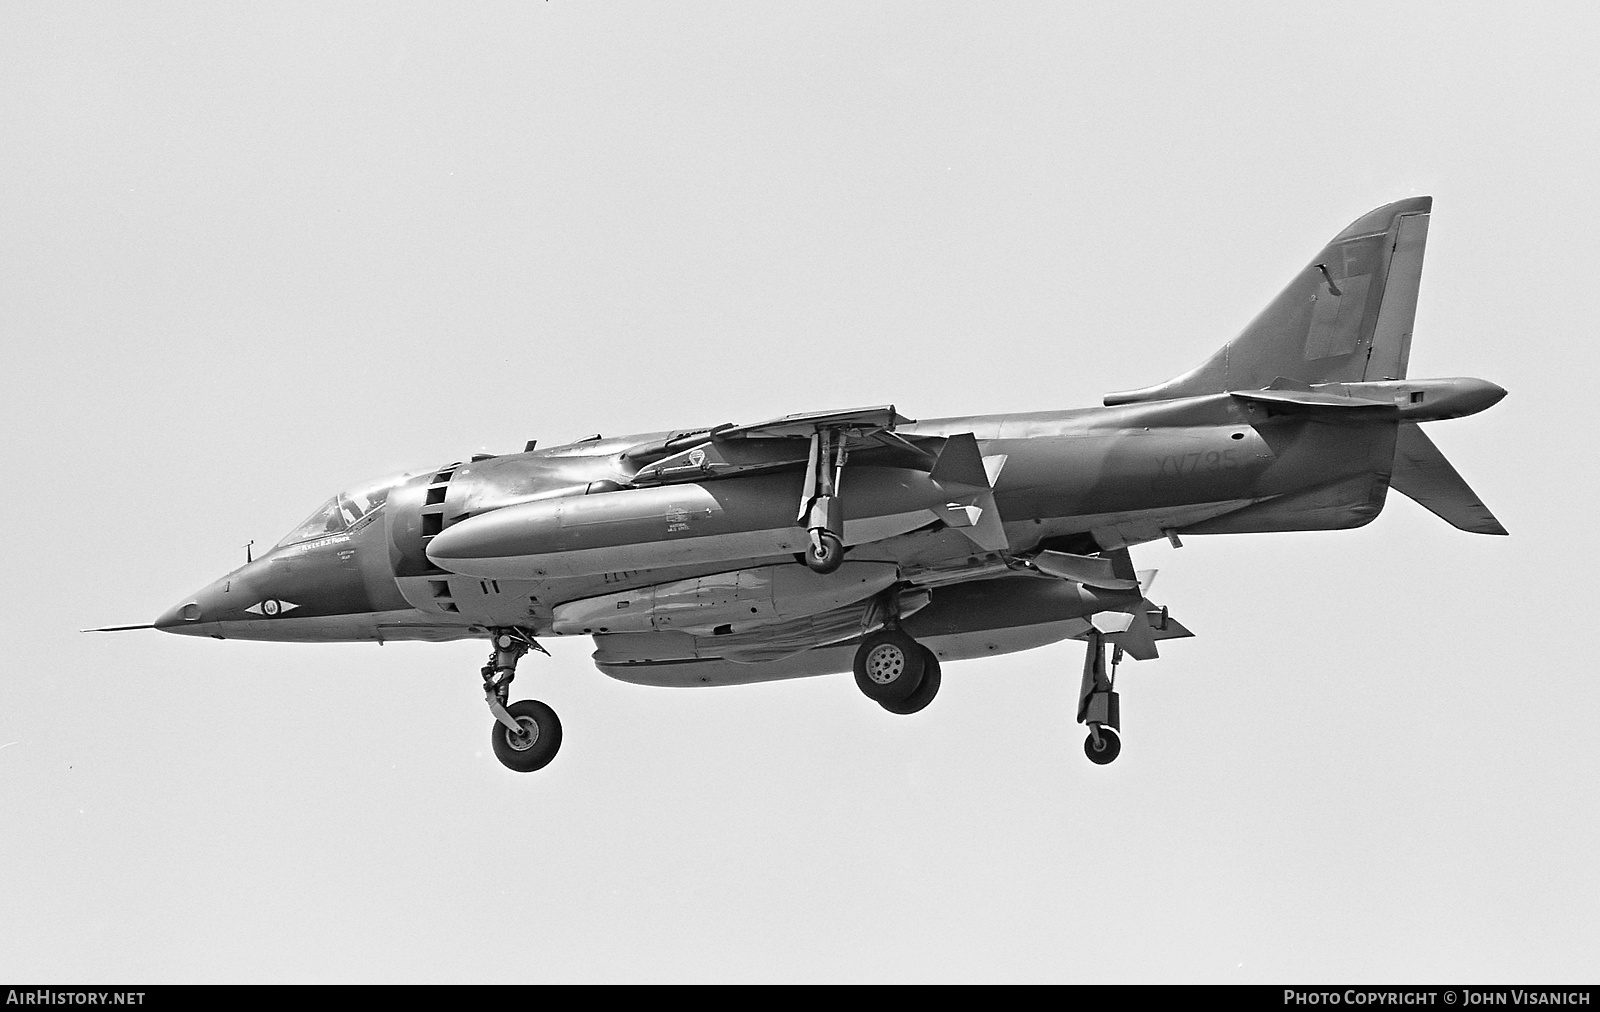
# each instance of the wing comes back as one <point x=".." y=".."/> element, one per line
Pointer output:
<point x="958" y="488"/>
<point x="801" y="426"/>
<point x="780" y="442"/>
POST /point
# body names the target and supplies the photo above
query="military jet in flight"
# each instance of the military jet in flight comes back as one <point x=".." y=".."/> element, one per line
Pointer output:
<point x="864" y="541"/>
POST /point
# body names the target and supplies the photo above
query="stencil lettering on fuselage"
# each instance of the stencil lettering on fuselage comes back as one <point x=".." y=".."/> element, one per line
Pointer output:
<point x="677" y="519"/>
<point x="1180" y="465"/>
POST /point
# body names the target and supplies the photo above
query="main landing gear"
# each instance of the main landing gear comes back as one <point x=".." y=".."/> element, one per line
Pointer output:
<point x="527" y="733"/>
<point x="1097" y="702"/>
<point x="896" y="672"/>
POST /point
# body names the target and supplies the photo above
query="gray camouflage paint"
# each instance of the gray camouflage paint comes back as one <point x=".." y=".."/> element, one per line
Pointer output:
<point x="1291" y="426"/>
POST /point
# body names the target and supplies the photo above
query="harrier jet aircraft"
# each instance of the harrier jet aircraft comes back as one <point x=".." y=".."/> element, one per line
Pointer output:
<point x="864" y="541"/>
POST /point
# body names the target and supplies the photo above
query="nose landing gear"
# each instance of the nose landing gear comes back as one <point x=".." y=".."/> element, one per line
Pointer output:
<point x="527" y="733"/>
<point x="534" y="744"/>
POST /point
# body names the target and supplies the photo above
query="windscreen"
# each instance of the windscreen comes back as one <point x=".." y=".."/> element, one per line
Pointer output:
<point x="343" y="511"/>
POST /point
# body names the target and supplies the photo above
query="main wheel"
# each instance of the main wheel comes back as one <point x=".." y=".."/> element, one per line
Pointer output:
<point x="536" y="745"/>
<point x="1110" y="747"/>
<point x="889" y="666"/>
<point x="925" y="692"/>
<point x="829" y="558"/>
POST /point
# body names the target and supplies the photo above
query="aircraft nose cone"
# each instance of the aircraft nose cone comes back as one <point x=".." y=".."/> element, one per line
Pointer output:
<point x="179" y="616"/>
<point x="199" y="614"/>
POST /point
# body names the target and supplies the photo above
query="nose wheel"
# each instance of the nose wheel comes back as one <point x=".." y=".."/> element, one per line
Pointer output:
<point x="535" y="744"/>
<point x="527" y="733"/>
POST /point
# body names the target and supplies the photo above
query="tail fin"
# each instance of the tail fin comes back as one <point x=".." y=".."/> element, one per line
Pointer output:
<point x="1345" y="318"/>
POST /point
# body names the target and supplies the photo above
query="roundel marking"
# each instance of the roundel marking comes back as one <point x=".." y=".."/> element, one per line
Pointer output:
<point x="272" y="607"/>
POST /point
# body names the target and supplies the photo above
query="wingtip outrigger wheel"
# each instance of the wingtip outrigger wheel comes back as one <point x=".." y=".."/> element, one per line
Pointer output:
<point x="821" y="509"/>
<point x="825" y="553"/>
<point x="1102" y="745"/>
<point x="1098" y="705"/>
<point x="527" y="733"/>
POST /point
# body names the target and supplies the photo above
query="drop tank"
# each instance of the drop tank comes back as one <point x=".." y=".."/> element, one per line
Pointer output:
<point x="729" y="520"/>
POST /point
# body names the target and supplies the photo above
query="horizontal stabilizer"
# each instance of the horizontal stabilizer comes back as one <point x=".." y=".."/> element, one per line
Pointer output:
<point x="1313" y="404"/>
<point x="1422" y="474"/>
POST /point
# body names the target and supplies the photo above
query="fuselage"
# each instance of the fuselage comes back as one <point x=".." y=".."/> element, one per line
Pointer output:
<point x="862" y="541"/>
<point x="1089" y="477"/>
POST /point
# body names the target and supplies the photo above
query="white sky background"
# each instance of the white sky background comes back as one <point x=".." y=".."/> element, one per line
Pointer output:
<point x="250" y="255"/>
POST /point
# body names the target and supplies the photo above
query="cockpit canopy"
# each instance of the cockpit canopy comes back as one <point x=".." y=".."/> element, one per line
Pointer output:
<point x="344" y="511"/>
